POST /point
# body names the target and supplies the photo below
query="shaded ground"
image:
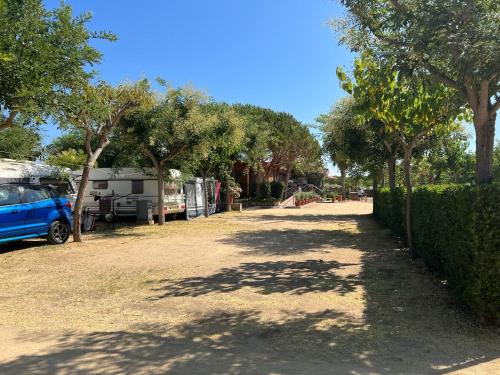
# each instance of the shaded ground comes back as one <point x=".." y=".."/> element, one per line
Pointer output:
<point x="320" y="290"/>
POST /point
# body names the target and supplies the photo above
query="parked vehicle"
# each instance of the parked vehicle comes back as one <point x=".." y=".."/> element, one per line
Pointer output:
<point x="122" y="188"/>
<point x="29" y="172"/>
<point x="32" y="210"/>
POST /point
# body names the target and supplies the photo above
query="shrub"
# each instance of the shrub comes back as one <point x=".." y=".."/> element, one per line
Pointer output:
<point x="264" y="191"/>
<point x="253" y="189"/>
<point x="277" y="189"/>
<point x="389" y="209"/>
<point x="456" y="232"/>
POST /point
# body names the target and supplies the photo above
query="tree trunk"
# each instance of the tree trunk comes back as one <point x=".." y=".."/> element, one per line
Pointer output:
<point x="391" y="165"/>
<point x="77" y="215"/>
<point x="205" y="193"/>
<point x="228" y="196"/>
<point x="485" y="135"/>
<point x="161" y="196"/>
<point x="408" y="186"/>
<point x="342" y="181"/>
<point x="287" y="178"/>
<point x="376" y="176"/>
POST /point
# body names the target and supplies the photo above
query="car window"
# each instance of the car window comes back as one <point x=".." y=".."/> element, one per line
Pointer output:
<point x="9" y="194"/>
<point x="35" y="194"/>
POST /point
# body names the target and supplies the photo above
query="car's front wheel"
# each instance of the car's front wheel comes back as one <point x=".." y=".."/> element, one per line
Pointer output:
<point x="58" y="232"/>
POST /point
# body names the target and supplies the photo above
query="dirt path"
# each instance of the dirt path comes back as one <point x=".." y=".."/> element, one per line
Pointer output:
<point x="319" y="290"/>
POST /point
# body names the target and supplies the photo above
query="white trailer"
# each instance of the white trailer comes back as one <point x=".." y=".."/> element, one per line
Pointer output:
<point x="25" y="171"/>
<point x="125" y="186"/>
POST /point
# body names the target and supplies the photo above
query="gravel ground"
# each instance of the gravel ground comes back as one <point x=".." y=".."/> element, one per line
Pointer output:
<point x="317" y="290"/>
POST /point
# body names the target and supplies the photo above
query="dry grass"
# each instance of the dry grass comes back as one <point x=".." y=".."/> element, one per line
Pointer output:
<point x="319" y="290"/>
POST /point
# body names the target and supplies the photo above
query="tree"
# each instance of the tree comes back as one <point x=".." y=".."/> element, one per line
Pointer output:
<point x="446" y="158"/>
<point x="20" y="142"/>
<point x="43" y="54"/>
<point x="171" y="133"/>
<point x="68" y="146"/>
<point x="342" y="136"/>
<point x="70" y="158"/>
<point x="223" y="141"/>
<point x="96" y="111"/>
<point x="411" y="109"/>
<point x="457" y="42"/>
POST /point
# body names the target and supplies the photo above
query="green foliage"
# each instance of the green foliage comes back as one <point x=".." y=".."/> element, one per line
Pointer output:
<point x="304" y="195"/>
<point x="277" y="188"/>
<point x="254" y="187"/>
<point x="428" y="34"/>
<point x="174" y="131"/>
<point x="276" y="139"/>
<point x="21" y="143"/>
<point x="264" y="191"/>
<point x="43" y="54"/>
<point x="116" y="154"/>
<point x="223" y="140"/>
<point x="456" y="233"/>
<point x="496" y="163"/>
<point x="389" y="209"/>
<point x="70" y="158"/>
<point x="453" y="42"/>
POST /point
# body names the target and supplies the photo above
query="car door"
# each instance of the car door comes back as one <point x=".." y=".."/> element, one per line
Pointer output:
<point x="41" y="206"/>
<point x="12" y="212"/>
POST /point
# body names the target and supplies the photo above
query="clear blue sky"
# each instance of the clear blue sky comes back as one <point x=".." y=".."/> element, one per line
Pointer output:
<point x="274" y="53"/>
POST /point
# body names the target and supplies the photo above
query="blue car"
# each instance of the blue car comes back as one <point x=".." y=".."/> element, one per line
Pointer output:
<point x="29" y="211"/>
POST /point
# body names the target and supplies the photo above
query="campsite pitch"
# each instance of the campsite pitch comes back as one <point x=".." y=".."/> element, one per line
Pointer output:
<point x="321" y="290"/>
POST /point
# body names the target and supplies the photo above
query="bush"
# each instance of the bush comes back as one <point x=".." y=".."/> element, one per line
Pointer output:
<point x="253" y="189"/>
<point x="389" y="209"/>
<point x="264" y="191"/>
<point x="456" y="232"/>
<point x="277" y="189"/>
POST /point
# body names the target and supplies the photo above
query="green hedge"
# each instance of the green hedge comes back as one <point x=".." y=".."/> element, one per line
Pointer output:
<point x="456" y="231"/>
<point x="264" y="191"/>
<point x="389" y="209"/>
<point x="277" y="189"/>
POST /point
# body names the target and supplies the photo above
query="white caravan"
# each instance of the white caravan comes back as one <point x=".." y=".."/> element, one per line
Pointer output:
<point x="37" y="173"/>
<point x="125" y="186"/>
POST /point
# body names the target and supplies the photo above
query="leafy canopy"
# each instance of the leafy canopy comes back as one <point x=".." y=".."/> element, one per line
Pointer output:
<point x="43" y="54"/>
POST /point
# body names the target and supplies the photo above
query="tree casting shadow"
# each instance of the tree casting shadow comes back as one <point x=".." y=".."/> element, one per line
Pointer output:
<point x="297" y="277"/>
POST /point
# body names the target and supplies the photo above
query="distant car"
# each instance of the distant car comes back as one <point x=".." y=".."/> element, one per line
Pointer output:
<point x="30" y="211"/>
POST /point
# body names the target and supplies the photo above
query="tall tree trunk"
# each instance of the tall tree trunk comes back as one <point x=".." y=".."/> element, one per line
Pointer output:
<point x="248" y="183"/>
<point x="228" y="195"/>
<point x="376" y="176"/>
<point x="485" y="135"/>
<point x="391" y="166"/>
<point x="287" y="178"/>
<point x="342" y="181"/>
<point x="408" y="186"/>
<point x="205" y="193"/>
<point x="161" y="195"/>
<point x="77" y="215"/>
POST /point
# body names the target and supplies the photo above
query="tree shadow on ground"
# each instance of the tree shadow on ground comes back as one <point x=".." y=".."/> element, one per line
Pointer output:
<point x="241" y="343"/>
<point x="293" y="277"/>
<point x="23" y="245"/>
<point x="410" y="325"/>
<point x="289" y="241"/>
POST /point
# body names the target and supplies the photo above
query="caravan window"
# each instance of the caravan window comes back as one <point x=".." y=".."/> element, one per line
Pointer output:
<point x="137" y="186"/>
<point x="99" y="185"/>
